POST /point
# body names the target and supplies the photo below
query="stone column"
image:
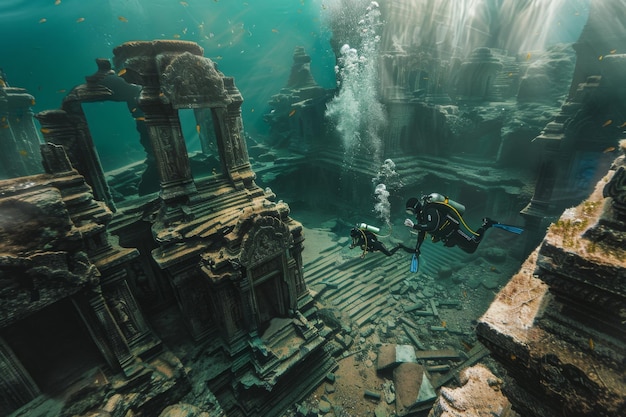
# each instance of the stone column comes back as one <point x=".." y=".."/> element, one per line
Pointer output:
<point x="71" y="131"/>
<point x="16" y="386"/>
<point x="142" y="63"/>
<point x="19" y="141"/>
<point x="235" y="150"/>
<point x="20" y="117"/>
<point x="126" y="312"/>
<point x="105" y="332"/>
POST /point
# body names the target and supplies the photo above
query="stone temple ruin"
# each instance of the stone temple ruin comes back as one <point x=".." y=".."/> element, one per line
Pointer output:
<point x="219" y="249"/>
<point x="179" y="286"/>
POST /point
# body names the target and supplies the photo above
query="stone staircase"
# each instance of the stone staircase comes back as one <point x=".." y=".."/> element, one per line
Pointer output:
<point x="362" y="287"/>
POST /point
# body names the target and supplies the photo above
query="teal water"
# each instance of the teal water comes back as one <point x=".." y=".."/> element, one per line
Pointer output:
<point x="49" y="48"/>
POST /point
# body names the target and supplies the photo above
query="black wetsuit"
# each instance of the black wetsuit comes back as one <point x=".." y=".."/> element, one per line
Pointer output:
<point x="368" y="241"/>
<point x="445" y="224"/>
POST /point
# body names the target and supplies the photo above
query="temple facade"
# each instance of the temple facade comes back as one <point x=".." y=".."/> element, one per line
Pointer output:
<point x="218" y="249"/>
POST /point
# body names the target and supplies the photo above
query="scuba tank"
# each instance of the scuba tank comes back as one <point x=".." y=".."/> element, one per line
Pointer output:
<point x="368" y="227"/>
<point x="438" y="198"/>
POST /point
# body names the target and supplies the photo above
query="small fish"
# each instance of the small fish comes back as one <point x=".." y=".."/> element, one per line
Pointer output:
<point x="592" y="345"/>
<point x="23" y="152"/>
<point x="32" y="102"/>
<point x="613" y="51"/>
<point x="291" y="113"/>
<point x="43" y="20"/>
<point x="134" y="109"/>
<point x="609" y="149"/>
<point x="122" y="19"/>
<point x="528" y="55"/>
<point x="513" y="357"/>
<point x="510" y="74"/>
<point x="275" y="30"/>
<point x="121" y="72"/>
<point x="600" y="58"/>
<point x="80" y="20"/>
<point x="466" y="345"/>
<point x="184" y="3"/>
<point x="252" y="110"/>
<point x="198" y="129"/>
<point x="5" y="126"/>
<point x="140" y="119"/>
<point x="44" y="130"/>
<point x="443" y="323"/>
<point x="464" y="294"/>
<point x="608" y="122"/>
<point x="63" y="90"/>
<point x="176" y="36"/>
<point x="622" y="125"/>
<point x="218" y="57"/>
<point x="57" y="2"/>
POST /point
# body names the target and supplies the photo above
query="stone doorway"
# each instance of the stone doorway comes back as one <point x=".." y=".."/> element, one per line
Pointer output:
<point x="268" y="292"/>
<point x="54" y="347"/>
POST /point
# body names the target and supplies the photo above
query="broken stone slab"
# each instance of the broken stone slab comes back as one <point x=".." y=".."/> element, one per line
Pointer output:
<point x="324" y="406"/>
<point x="438" y="368"/>
<point x="414" y="392"/>
<point x="439" y="354"/>
<point x="409" y="323"/>
<point x="414" y="307"/>
<point x="420" y="312"/>
<point x="438" y="329"/>
<point x="329" y="284"/>
<point x="413" y="337"/>
<point x="434" y="307"/>
<point x="392" y="355"/>
<point x="371" y="394"/>
<point x="450" y="303"/>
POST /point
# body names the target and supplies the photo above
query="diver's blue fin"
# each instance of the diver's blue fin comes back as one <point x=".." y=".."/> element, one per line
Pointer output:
<point x="415" y="263"/>
<point x="509" y="228"/>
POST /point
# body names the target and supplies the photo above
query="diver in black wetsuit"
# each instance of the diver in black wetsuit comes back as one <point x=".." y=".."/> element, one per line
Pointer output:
<point x="442" y="219"/>
<point x="368" y="241"/>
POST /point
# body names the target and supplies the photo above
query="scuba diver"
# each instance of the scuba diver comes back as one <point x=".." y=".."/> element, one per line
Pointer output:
<point x="365" y="237"/>
<point x="442" y="218"/>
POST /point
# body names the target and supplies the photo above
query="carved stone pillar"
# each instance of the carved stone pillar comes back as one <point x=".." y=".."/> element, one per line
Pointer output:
<point x="231" y="140"/>
<point x="20" y="117"/>
<point x="150" y="64"/>
<point x="71" y="131"/>
<point x="16" y="386"/>
<point x="126" y="312"/>
<point x="105" y="332"/>
<point x="54" y="159"/>
<point x="19" y="141"/>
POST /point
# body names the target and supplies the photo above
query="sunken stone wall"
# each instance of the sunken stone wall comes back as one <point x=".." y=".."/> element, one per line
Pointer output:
<point x="559" y="325"/>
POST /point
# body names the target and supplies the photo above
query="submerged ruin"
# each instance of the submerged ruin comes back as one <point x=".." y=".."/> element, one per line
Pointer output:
<point x="178" y="285"/>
